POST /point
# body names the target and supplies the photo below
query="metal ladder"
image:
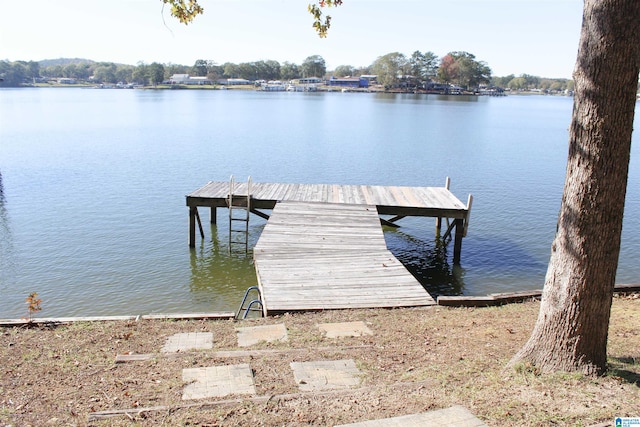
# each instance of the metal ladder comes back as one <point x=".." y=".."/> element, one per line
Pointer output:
<point x="249" y="307"/>
<point x="239" y="210"/>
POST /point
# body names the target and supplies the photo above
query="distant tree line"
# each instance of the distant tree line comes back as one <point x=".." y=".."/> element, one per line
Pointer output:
<point x="526" y="82"/>
<point x="457" y="68"/>
<point x="19" y="73"/>
<point x="16" y="73"/>
<point x="393" y="70"/>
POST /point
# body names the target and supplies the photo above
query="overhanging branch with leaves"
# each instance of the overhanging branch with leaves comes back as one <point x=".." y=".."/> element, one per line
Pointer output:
<point x="187" y="10"/>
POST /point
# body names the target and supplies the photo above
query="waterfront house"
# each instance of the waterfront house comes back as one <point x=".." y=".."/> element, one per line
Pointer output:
<point x="186" y="79"/>
<point x="349" y="82"/>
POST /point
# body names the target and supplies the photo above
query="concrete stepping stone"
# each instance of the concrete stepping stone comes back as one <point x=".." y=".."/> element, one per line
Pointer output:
<point x="251" y="335"/>
<point x="326" y="374"/>
<point x="344" y="329"/>
<point x="455" y="416"/>
<point x="217" y="381"/>
<point x="188" y="341"/>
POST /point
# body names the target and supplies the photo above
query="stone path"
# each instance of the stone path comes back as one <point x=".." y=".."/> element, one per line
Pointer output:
<point x="455" y="416"/>
<point x="252" y="335"/>
<point x="217" y="381"/>
<point x="345" y="329"/>
<point x="325" y="374"/>
<point x="188" y="341"/>
<point x="220" y="381"/>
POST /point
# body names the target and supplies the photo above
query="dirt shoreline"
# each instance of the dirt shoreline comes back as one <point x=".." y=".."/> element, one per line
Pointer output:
<point x="416" y="360"/>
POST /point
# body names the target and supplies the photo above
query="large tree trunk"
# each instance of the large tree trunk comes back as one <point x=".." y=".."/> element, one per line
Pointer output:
<point x="571" y="331"/>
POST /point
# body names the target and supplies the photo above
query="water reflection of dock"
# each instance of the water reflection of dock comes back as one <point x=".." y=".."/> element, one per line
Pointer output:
<point x="323" y="246"/>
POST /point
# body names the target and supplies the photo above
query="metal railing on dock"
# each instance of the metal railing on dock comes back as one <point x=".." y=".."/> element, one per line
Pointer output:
<point x="248" y="308"/>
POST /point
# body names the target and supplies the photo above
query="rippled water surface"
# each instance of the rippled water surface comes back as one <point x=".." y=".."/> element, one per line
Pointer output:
<point x="92" y="207"/>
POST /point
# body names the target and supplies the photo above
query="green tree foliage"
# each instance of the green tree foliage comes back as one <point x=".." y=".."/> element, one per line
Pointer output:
<point x="230" y="70"/>
<point x="526" y="82"/>
<point x="155" y="73"/>
<point x="518" y="83"/>
<point x="361" y="71"/>
<point x="12" y="74"/>
<point x="344" y="71"/>
<point x="555" y="85"/>
<point x="424" y="66"/>
<point x="80" y="71"/>
<point x="314" y="66"/>
<point x="390" y="68"/>
<point x="257" y="70"/>
<point x="124" y="74"/>
<point x="70" y="71"/>
<point x="52" y="71"/>
<point x="532" y="81"/>
<point x="315" y="9"/>
<point x="84" y="71"/>
<point x="171" y="69"/>
<point x="247" y="70"/>
<point x="105" y="72"/>
<point x="33" y="69"/>
<point x="200" y="68"/>
<point x="139" y="74"/>
<point x="272" y="69"/>
<point x="502" y="81"/>
<point x="264" y="70"/>
<point x="214" y="71"/>
<point x="187" y="10"/>
<point x="289" y="71"/>
<point x="184" y="10"/>
<point x="470" y="72"/>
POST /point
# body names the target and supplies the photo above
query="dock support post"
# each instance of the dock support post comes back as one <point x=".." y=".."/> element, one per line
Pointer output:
<point x="466" y="218"/>
<point x="199" y="224"/>
<point x="457" y="242"/>
<point x="194" y="217"/>
<point x="214" y="215"/>
<point x="439" y="219"/>
<point x="192" y="226"/>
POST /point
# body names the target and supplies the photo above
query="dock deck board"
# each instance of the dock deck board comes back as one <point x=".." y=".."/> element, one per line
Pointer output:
<point x="316" y="256"/>
<point x="418" y="201"/>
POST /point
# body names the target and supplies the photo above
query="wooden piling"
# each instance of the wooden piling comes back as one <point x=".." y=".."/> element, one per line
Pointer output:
<point x="457" y="240"/>
<point x="192" y="226"/>
<point x="199" y="224"/>
<point x="439" y="219"/>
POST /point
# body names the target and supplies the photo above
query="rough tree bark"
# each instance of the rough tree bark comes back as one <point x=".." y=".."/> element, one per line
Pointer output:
<point x="571" y="331"/>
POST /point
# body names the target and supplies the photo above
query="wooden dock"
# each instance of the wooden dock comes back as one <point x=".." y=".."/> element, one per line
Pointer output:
<point x="317" y="256"/>
<point x="436" y="202"/>
<point x="323" y="246"/>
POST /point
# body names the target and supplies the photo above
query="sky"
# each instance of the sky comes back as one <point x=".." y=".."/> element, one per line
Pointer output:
<point x="537" y="37"/>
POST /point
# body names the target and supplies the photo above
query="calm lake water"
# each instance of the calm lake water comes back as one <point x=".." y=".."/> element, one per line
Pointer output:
<point x="92" y="207"/>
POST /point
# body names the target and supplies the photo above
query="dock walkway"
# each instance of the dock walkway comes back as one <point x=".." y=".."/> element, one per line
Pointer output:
<point x="316" y="256"/>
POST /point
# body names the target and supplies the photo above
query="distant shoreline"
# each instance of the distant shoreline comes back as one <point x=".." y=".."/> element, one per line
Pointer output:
<point x="322" y="88"/>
